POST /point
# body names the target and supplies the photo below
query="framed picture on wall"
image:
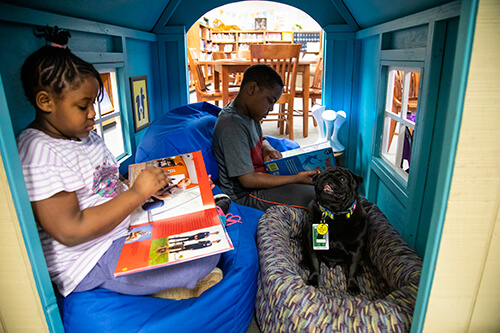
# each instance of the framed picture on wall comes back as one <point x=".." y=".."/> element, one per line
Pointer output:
<point x="260" y="23"/>
<point x="140" y="102"/>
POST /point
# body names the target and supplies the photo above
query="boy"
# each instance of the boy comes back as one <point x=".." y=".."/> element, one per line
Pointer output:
<point x="241" y="149"/>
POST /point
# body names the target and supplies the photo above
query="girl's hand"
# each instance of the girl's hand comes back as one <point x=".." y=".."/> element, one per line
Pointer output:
<point x="212" y="185"/>
<point x="150" y="181"/>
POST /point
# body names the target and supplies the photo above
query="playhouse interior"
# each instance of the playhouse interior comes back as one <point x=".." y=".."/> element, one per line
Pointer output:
<point x="394" y="69"/>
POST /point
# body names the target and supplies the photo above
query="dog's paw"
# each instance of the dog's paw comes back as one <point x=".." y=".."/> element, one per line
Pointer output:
<point x="313" y="280"/>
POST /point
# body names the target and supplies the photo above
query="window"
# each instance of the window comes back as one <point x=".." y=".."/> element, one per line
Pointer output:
<point x="400" y="115"/>
<point x="108" y="120"/>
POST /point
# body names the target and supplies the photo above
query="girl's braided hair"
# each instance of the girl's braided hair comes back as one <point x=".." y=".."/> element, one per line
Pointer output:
<point x="54" y="67"/>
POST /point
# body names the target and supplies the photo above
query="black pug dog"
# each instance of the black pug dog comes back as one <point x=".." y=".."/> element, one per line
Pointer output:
<point x="335" y="226"/>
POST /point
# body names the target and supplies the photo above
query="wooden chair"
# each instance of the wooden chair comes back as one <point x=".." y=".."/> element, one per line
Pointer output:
<point x="220" y="55"/>
<point x="243" y="54"/>
<point x="315" y="90"/>
<point x="203" y="93"/>
<point x="284" y="60"/>
<point x="235" y="78"/>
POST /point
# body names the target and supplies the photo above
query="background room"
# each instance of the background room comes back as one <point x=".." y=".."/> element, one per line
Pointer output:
<point x="227" y="32"/>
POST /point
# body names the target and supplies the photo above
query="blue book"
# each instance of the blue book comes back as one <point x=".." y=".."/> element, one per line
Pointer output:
<point x="313" y="157"/>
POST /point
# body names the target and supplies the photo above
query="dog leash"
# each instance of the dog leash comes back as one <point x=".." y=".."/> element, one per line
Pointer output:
<point x="229" y="218"/>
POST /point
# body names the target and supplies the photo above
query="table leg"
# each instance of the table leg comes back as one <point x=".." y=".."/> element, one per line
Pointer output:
<point x="225" y="86"/>
<point x="216" y="79"/>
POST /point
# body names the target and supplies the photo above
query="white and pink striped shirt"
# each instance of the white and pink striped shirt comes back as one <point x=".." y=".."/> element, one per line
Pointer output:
<point x="85" y="167"/>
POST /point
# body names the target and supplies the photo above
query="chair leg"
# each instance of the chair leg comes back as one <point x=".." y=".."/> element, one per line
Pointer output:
<point x="281" y="121"/>
<point x="315" y="123"/>
<point x="289" y="115"/>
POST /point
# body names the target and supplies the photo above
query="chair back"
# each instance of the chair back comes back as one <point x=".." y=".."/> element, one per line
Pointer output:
<point x="243" y="54"/>
<point x="318" y="74"/>
<point x="196" y="70"/>
<point x="220" y="55"/>
<point x="282" y="58"/>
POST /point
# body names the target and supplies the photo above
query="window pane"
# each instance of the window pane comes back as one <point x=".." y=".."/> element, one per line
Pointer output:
<point x="398" y="92"/>
<point x="400" y="117"/>
<point x="108" y="117"/>
<point x="112" y="135"/>
<point x="411" y="115"/>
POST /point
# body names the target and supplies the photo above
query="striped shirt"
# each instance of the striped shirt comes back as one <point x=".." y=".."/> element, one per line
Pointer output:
<point x="85" y="167"/>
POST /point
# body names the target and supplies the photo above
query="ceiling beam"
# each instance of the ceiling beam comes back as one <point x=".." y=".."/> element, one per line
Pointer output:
<point x="166" y="15"/>
<point x="346" y="14"/>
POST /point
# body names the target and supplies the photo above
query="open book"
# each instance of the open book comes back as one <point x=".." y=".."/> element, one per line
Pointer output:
<point x="314" y="157"/>
<point x="178" y="224"/>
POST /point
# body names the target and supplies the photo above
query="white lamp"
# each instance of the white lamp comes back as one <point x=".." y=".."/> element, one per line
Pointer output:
<point x="329" y="118"/>
<point x="316" y="111"/>
<point x="334" y="141"/>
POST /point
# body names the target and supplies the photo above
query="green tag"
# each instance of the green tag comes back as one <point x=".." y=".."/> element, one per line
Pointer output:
<point x="320" y="237"/>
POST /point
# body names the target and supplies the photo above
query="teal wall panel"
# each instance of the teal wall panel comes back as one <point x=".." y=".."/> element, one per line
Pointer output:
<point x="361" y="133"/>
<point x="14" y="51"/>
<point x="141" y="57"/>
<point x="392" y="207"/>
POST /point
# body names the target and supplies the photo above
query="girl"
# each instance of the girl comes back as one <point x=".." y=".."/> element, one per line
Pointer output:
<point x="80" y="205"/>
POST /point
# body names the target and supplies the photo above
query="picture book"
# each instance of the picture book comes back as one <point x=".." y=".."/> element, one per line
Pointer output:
<point x="180" y="223"/>
<point x="314" y="157"/>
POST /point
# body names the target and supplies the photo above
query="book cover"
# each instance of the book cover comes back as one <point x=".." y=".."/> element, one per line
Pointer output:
<point x="314" y="157"/>
<point x="180" y="223"/>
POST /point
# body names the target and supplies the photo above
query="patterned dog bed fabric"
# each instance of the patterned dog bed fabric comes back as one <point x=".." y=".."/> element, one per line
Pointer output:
<point x="285" y="303"/>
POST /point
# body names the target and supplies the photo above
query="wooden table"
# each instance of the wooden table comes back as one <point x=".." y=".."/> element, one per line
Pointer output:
<point x="224" y="67"/>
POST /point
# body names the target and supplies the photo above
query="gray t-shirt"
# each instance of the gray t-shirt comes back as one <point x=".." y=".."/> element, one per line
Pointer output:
<point x="237" y="146"/>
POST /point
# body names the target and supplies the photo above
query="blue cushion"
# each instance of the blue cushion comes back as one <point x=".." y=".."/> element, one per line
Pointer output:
<point x="182" y="130"/>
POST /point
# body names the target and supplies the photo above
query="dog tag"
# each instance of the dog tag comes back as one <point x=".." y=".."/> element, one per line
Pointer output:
<point x="322" y="228"/>
<point x="320" y="237"/>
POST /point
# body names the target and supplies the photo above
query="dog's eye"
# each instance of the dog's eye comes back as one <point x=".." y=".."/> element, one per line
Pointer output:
<point x="342" y="179"/>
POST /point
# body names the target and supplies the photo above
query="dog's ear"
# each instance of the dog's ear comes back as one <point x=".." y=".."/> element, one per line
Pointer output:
<point x="359" y="180"/>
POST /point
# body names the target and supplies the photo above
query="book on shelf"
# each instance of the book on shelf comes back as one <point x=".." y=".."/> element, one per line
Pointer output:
<point x="314" y="157"/>
<point x="179" y="223"/>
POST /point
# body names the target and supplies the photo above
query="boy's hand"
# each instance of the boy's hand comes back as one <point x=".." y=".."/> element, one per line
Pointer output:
<point x="305" y="177"/>
<point x="269" y="153"/>
<point x="150" y="181"/>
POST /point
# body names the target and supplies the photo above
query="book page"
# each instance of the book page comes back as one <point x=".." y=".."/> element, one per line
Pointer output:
<point x="181" y="196"/>
<point x="178" y="224"/>
<point x="305" y="149"/>
<point x="171" y="241"/>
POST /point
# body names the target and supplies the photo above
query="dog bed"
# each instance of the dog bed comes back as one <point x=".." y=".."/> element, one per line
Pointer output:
<point x="285" y="303"/>
<point x="226" y="307"/>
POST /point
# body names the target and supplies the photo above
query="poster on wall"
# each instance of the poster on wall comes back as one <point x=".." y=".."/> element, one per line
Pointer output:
<point x="260" y="23"/>
<point x="140" y="102"/>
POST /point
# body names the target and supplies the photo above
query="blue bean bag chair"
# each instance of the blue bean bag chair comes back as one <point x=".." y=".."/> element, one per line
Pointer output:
<point x="285" y="303"/>
<point x="226" y="307"/>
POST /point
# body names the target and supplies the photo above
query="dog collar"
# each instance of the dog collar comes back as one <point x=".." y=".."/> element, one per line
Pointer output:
<point x="331" y="215"/>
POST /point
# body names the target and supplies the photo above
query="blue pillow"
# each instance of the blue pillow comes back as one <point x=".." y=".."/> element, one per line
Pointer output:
<point x="182" y="130"/>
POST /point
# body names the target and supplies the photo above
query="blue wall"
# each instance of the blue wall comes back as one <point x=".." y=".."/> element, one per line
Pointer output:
<point x="141" y="57"/>
<point x="366" y="107"/>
